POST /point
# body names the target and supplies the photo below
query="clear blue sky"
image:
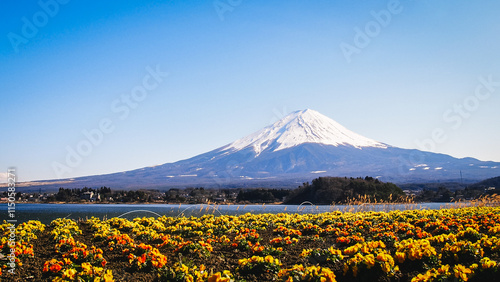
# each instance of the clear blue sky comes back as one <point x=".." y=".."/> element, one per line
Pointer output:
<point x="235" y="69"/>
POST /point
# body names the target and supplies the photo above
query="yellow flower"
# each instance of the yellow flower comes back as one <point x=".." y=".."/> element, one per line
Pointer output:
<point x="444" y="269"/>
<point x="461" y="272"/>
<point x="386" y="267"/>
<point x="487" y="263"/>
<point x="400" y="257"/>
<point x="69" y="273"/>
<point x="383" y="257"/>
<point x="184" y="268"/>
<point x="108" y="276"/>
<point x="217" y="277"/>
<point x="98" y="270"/>
<point x="352" y="250"/>
<point x="370" y="260"/>
<point x="67" y="261"/>
<point x="421" y="277"/>
<point x="87" y="268"/>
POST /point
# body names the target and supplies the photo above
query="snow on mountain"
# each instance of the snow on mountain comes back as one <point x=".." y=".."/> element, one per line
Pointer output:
<point x="306" y="126"/>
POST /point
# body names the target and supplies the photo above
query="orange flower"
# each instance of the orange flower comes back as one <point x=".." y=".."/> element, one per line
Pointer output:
<point x="215" y="278"/>
<point x="55" y="268"/>
<point x="142" y="259"/>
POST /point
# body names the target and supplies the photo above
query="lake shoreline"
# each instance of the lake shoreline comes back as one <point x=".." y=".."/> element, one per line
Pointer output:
<point x="228" y="204"/>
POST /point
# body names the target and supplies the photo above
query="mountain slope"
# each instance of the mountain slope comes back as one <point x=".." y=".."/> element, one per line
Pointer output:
<point x="295" y="149"/>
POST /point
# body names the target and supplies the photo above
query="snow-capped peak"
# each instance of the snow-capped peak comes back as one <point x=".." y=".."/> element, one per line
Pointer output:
<point x="306" y="126"/>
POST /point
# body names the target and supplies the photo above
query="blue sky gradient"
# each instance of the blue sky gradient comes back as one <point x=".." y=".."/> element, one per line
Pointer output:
<point x="235" y="70"/>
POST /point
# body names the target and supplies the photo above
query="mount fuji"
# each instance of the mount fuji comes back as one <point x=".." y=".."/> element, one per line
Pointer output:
<point x="300" y="147"/>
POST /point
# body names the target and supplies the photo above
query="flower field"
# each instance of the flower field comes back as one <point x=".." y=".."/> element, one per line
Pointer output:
<point x="460" y="244"/>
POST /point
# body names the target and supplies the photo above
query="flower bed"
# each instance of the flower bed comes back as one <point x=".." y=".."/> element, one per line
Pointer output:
<point x="416" y="245"/>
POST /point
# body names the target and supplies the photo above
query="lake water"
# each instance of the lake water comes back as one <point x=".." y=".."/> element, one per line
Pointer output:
<point x="48" y="212"/>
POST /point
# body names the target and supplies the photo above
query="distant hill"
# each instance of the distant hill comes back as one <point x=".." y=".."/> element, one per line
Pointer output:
<point x="488" y="183"/>
<point x="452" y="191"/>
<point x="328" y="190"/>
<point x="452" y="186"/>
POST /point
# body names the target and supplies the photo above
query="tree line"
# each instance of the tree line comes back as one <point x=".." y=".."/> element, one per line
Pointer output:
<point x="322" y="190"/>
<point x="331" y="190"/>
